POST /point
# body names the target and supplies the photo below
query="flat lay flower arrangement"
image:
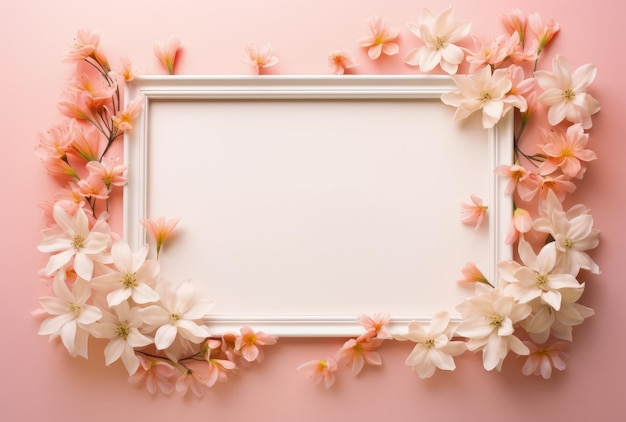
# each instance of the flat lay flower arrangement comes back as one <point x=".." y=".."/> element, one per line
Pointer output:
<point x="101" y="288"/>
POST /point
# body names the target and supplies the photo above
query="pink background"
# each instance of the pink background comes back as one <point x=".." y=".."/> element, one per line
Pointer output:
<point x="40" y="381"/>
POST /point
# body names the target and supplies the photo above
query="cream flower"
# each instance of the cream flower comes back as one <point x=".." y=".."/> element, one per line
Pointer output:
<point x="123" y="333"/>
<point x="72" y="239"/>
<point x="381" y="39"/>
<point x="71" y="316"/>
<point x="439" y="33"/>
<point x="565" y="92"/>
<point x="178" y="314"/>
<point x="434" y="348"/>
<point x="488" y="322"/>
<point x="132" y="278"/>
<point x="537" y="278"/>
<point x="483" y="91"/>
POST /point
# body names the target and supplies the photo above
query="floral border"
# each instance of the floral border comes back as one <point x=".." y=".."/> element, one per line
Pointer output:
<point x="103" y="289"/>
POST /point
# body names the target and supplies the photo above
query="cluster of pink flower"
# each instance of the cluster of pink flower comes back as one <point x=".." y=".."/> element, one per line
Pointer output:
<point x="101" y="288"/>
<point x="539" y="295"/>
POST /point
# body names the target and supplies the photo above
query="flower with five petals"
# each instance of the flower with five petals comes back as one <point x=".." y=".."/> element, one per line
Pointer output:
<point x="381" y="39"/>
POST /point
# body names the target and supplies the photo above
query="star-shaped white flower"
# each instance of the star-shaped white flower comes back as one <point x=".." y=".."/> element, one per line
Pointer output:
<point x="565" y="92"/>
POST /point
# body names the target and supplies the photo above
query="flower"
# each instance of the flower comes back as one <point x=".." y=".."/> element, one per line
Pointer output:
<point x="318" y="370"/>
<point x="572" y="231"/>
<point x="434" y="348"/>
<point x="71" y="316"/>
<point x="439" y="33"/>
<point x="515" y="21"/>
<point x="473" y="213"/>
<point x="159" y="229"/>
<point x="123" y="119"/>
<point x="260" y="58"/>
<point x="360" y="351"/>
<point x="521" y="223"/>
<point x="376" y="325"/>
<point x="380" y="39"/>
<point x="483" y="91"/>
<point x="538" y="277"/>
<point x="473" y="275"/>
<point x="218" y="369"/>
<point x="72" y="240"/>
<point x="132" y="277"/>
<point x="108" y="171"/>
<point x="565" y="151"/>
<point x="525" y="182"/>
<point x="85" y="45"/>
<point x="544" y="32"/>
<point x="492" y="53"/>
<point x="488" y="322"/>
<point x="155" y="374"/>
<point x="247" y="344"/>
<point x="124" y="336"/>
<point x="179" y="313"/>
<point x="340" y="61"/>
<point x="166" y="53"/>
<point x="564" y="92"/>
<point x="541" y="359"/>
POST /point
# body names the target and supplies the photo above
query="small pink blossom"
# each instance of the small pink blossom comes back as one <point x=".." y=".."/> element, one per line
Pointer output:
<point x="261" y="58"/>
<point x="111" y="173"/>
<point x="85" y="45"/>
<point x="357" y="352"/>
<point x="515" y="21"/>
<point x="560" y="185"/>
<point x="125" y="72"/>
<point x="521" y="223"/>
<point x="340" y="61"/>
<point x="154" y="374"/>
<point x="471" y="274"/>
<point x="249" y="343"/>
<point x="99" y="91"/>
<point x="565" y="151"/>
<point x="526" y="183"/>
<point x="89" y="144"/>
<point x="474" y="213"/>
<point x="56" y="141"/>
<point x="376" y="324"/>
<point x="159" y="229"/>
<point x="318" y="370"/>
<point x="542" y="359"/>
<point x="93" y="187"/>
<point x="123" y="120"/>
<point x="381" y="39"/>
<point x="544" y="31"/>
<point x="491" y="52"/>
<point x="166" y="53"/>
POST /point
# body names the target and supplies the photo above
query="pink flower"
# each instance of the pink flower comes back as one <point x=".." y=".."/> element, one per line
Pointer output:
<point x="249" y="342"/>
<point x="123" y="120"/>
<point x="472" y="275"/>
<point x="521" y="223"/>
<point x="340" y="61"/>
<point x="260" y="58"/>
<point x="218" y="369"/>
<point x="376" y="325"/>
<point x="155" y="374"/>
<point x="318" y="370"/>
<point x="125" y="71"/>
<point x="89" y="144"/>
<point x="108" y="171"/>
<point x="565" y="93"/>
<point x="159" y="229"/>
<point x="544" y="31"/>
<point x="85" y="45"/>
<point x="492" y="53"/>
<point x="380" y="39"/>
<point x="99" y="91"/>
<point x="525" y="182"/>
<point x="167" y="53"/>
<point x="359" y="351"/>
<point x="515" y="21"/>
<point x="473" y="213"/>
<point x="541" y="360"/>
<point x="565" y="151"/>
<point x="56" y="141"/>
<point x="560" y="185"/>
<point x="93" y="187"/>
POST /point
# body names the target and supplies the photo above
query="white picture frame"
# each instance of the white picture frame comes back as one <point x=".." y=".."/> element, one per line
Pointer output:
<point x="356" y="209"/>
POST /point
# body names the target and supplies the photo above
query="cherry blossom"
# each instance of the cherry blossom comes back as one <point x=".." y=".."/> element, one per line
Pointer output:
<point x="542" y="359"/>
<point x="321" y="369"/>
<point x="340" y="61"/>
<point x="474" y="213"/>
<point x="376" y="324"/>
<point x="565" y="151"/>
<point x="249" y="343"/>
<point x="381" y="39"/>
<point x="155" y="374"/>
<point x="357" y="352"/>
<point x="260" y="58"/>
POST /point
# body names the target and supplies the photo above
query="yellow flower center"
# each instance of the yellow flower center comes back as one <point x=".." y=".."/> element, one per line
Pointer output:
<point x="485" y="97"/>
<point x="568" y="243"/>
<point x="495" y="320"/>
<point x="122" y="330"/>
<point x="74" y="308"/>
<point x="439" y="42"/>
<point x="174" y="317"/>
<point x="430" y="343"/>
<point x="128" y="280"/>
<point x="542" y="281"/>
<point x="569" y="94"/>
<point x="78" y="242"/>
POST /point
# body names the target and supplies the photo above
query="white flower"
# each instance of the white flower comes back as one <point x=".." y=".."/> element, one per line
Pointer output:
<point x="488" y="320"/>
<point x="573" y="233"/>
<point x="179" y="313"/>
<point x="545" y="321"/>
<point x="73" y="239"/>
<point x="484" y="91"/>
<point x="71" y="315"/>
<point x="564" y="92"/>
<point x="123" y="331"/>
<point x="536" y="278"/>
<point x="434" y="348"/>
<point x="133" y="276"/>
<point x="439" y="33"/>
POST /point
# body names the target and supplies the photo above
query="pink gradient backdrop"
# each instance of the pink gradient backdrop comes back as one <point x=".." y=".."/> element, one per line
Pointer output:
<point x="41" y="382"/>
